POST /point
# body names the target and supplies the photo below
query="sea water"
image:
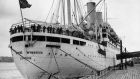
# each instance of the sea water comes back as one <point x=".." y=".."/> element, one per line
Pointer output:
<point x="9" y="71"/>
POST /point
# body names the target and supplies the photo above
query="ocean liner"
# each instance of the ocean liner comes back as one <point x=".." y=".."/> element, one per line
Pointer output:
<point x="70" y="45"/>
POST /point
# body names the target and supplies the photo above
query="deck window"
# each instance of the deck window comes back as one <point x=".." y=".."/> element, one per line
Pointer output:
<point x="53" y="39"/>
<point x="82" y="43"/>
<point x="76" y="42"/>
<point x="38" y="38"/>
<point x="65" y="40"/>
<point x="17" y="38"/>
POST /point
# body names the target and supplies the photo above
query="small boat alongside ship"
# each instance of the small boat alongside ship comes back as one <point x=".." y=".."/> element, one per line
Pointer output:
<point x="69" y="46"/>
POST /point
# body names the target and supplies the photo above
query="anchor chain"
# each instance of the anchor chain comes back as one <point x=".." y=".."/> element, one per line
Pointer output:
<point x="56" y="62"/>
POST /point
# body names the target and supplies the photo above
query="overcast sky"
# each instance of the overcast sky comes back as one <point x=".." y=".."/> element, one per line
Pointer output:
<point x="124" y="16"/>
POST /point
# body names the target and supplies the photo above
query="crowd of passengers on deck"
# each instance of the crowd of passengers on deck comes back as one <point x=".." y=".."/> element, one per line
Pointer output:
<point x="48" y="29"/>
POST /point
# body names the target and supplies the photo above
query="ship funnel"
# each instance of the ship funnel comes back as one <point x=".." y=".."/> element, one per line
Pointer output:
<point x="99" y="17"/>
<point x="92" y="16"/>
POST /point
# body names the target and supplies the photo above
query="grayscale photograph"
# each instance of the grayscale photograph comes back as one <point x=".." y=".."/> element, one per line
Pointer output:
<point x="69" y="39"/>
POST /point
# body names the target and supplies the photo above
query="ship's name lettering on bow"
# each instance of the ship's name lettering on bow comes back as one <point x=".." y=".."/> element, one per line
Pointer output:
<point x="34" y="52"/>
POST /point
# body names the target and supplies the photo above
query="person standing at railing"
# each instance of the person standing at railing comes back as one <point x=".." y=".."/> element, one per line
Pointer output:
<point x="15" y="30"/>
<point x="53" y="30"/>
<point x="61" y="30"/>
<point x="21" y="28"/>
<point x="57" y="30"/>
<point x="11" y="30"/>
<point x="18" y="29"/>
<point x="38" y="28"/>
<point x="44" y="28"/>
<point x="67" y="32"/>
<point x="48" y="29"/>
<point x="33" y="27"/>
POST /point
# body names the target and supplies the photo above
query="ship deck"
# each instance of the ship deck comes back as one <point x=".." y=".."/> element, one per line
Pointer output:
<point x="129" y="73"/>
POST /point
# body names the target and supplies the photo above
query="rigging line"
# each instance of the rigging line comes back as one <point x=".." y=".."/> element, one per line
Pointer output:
<point x="78" y="8"/>
<point x="82" y="7"/>
<point x="55" y="61"/>
<point x="61" y="13"/>
<point x="78" y="60"/>
<point x="52" y="17"/>
<point x="101" y="7"/>
<point x="49" y="11"/>
<point x="75" y="27"/>
<point x="50" y="60"/>
<point x="57" y="11"/>
<point x="90" y="58"/>
<point x="75" y="18"/>
<point x="30" y="20"/>
<point x="112" y="38"/>
<point x="90" y="12"/>
<point x="75" y="9"/>
<point x="32" y="63"/>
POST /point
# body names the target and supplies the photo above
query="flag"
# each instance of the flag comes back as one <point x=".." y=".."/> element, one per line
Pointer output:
<point x="24" y="4"/>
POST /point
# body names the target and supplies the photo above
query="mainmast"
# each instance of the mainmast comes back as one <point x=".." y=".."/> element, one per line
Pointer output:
<point x="69" y="11"/>
<point x="63" y="7"/>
